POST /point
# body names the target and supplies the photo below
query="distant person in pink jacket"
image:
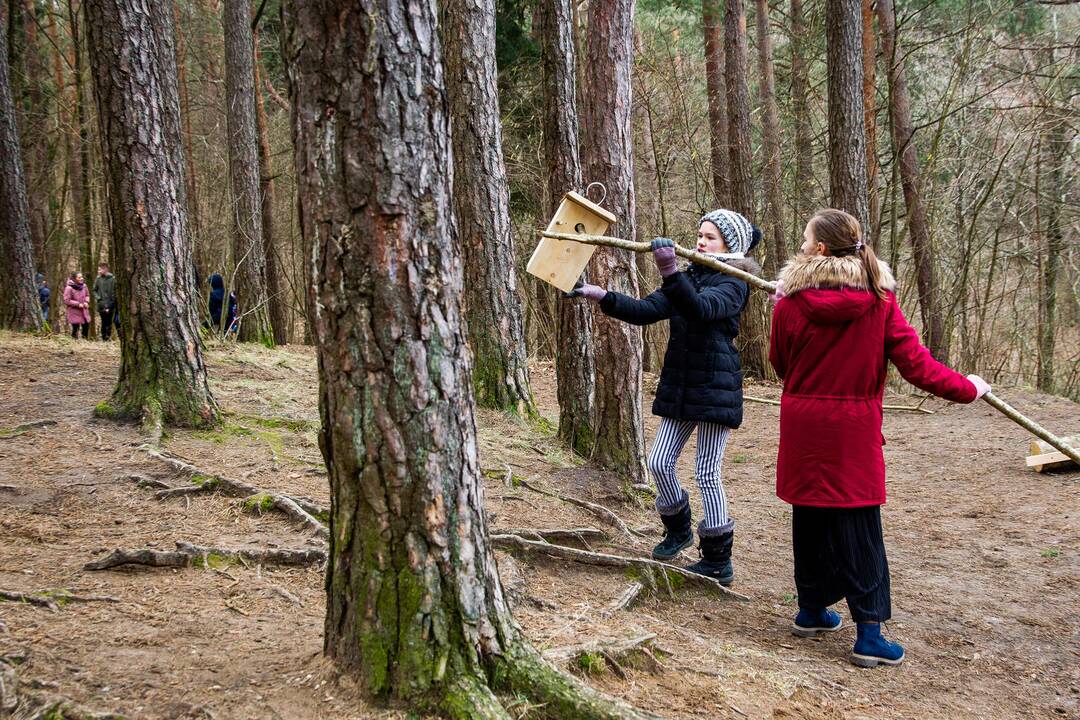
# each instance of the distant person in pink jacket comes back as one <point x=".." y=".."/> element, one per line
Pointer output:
<point x="77" y="301"/>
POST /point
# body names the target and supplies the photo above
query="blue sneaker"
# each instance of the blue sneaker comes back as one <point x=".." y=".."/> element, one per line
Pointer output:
<point x="871" y="649"/>
<point x="811" y="623"/>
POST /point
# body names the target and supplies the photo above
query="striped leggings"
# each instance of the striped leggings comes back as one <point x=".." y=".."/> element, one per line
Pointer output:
<point x="711" y="440"/>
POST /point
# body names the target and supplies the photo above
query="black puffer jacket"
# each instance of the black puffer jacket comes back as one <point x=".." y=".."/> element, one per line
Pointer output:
<point x="702" y="378"/>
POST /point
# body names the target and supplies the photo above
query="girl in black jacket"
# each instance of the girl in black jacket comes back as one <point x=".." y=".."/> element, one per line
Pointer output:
<point x="701" y="381"/>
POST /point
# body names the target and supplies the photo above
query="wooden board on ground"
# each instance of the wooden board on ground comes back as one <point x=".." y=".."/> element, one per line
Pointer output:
<point x="561" y="262"/>
<point x="1044" y="457"/>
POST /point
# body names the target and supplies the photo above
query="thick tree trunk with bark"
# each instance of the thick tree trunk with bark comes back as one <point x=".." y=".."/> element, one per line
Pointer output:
<point x="133" y="62"/>
<point x="482" y="204"/>
<point x="19" y="307"/>
<point x="754" y="331"/>
<point x="718" y="114"/>
<point x="415" y="609"/>
<point x="800" y="107"/>
<point x="249" y="259"/>
<point x="1055" y="148"/>
<point x="37" y="166"/>
<point x="574" y="345"/>
<point x="608" y="159"/>
<point x="190" y="183"/>
<point x="79" y="163"/>
<point x="847" y="134"/>
<point x="773" y="241"/>
<point x="907" y="158"/>
<point x="275" y="290"/>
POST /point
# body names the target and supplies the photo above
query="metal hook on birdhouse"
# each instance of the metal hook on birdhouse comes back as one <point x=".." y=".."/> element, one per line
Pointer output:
<point x="602" y="187"/>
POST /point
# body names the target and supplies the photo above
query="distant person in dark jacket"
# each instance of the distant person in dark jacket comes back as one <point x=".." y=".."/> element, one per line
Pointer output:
<point x="217" y="300"/>
<point x="105" y="297"/>
<point x="701" y="381"/>
<point x="44" y="294"/>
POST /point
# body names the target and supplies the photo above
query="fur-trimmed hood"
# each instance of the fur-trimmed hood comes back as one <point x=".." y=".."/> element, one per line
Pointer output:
<point x="828" y="271"/>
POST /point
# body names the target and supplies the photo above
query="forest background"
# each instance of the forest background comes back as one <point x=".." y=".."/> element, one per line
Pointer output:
<point x="994" y="91"/>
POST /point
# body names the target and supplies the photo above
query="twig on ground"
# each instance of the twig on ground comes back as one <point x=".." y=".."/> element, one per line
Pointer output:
<point x="598" y="510"/>
<point x="52" y="599"/>
<point x="625" y="600"/>
<point x="187" y="555"/>
<point x="582" y="535"/>
<point x="647" y="566"/>
<point x="143" y="481"/>
<point x="24" y="428"/>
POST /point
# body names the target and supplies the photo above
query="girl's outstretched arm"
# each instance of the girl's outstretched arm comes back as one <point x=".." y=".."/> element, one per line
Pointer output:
<point x="654" y="307"/>
<point x="917" y="365"/>
<point x="725" y="299"/>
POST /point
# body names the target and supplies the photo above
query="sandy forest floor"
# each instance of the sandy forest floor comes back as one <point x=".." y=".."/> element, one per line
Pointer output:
<point x="985" y="557"/>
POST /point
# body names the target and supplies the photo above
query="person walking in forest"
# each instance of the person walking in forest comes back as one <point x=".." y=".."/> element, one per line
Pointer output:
<point x="105" y="297"/>
<point x="700" y="383"/>
<point x="44" y="294"/>
<point x="217" y="302"/>
<point x="77" y="301"/>
<point x="835" y="324"/>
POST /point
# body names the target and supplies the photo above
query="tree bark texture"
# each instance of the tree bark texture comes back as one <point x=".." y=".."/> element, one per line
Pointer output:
<point x="712" y="24"/>
<point x="482" y="204"/>
<point x="275" y="290"/>
<point x="1055" y="148"/>
<point x="37" y="167"/>
<point x="776" y="250"/>
<point x="800" y="107"/>
<point x="754" y="330"/>
<point x="190" y="183"/>
<point x="248" y="256"/>
<point x="608" y="158"/>
<point x="133" y="63"/>
<point x="847" y="134"/>
<point x="19" y="307"/>
<point x="574" y="345"/>
<point x="869" y="59"/>
<point x="80" y="139"/>
<point x="907" y="158"/>
<point x="415" y="608"/>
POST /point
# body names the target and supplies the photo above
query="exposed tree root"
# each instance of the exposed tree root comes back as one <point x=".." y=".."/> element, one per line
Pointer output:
<point x="300" y="510"/>
<point x="599" y="511"/>
<point x="469" y="698"/>
<point x="53" y="599"/>
<point x="581" y="535"/>
<point x="626" y="600"/>
<point x="601" y="646"/>
<point x="647" y="567"/>
<point x="187" y="555"/>
<point x="25" y="427"/>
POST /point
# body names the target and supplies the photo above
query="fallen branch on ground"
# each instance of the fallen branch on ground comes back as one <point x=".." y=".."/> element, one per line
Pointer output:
<point x="53" y="599"/>
<point x="599" y="511"/>
<point x="646" y="566"/>
<point x="24" y="428"/>
<point x="187" y="555"/>
<point x="299" y="509"/>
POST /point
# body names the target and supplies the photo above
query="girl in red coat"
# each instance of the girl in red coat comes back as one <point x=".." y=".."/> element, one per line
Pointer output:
<point x="835" y="325"/>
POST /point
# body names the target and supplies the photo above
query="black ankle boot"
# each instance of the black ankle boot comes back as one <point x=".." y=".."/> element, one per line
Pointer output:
<point x="715" y="559"/>
<point x="677" y="534"/>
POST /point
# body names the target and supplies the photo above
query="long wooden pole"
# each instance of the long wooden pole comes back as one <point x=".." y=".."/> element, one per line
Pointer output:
<point x="997" y="403"/>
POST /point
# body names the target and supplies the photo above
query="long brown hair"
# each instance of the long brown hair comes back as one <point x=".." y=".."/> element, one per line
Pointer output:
<point x="841" y="233"/>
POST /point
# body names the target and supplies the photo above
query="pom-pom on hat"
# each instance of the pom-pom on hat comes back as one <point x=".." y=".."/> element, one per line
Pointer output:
<point x="739" y="234"/>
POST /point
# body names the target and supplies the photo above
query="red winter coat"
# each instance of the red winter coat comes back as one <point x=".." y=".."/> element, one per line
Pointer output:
<point x="830" y="342"/>
<point x="73" y="298"/>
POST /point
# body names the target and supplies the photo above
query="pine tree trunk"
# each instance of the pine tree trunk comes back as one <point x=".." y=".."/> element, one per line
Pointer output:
<point x="574" y="345"/>
<point x="19" y="307"/>
<point x="869" y="57"/>
<point x="800" y="108"/>
<point x="907" y="158"/>
<point x="482" y="204"/>
<point x="415" y="610"/>
<point x="133" y="62"/>
<point x="754" y="330"/>
<point x="37" y="166"/>
<point x="776" y="249"/>
<point x="847" y="134"/>
<point x="190" y="184"/>
<point x="718" y="113"/>
<point x="80" y="165"/>
<point x="1055" y="148"/>
<point x="246" y="210"/>
<point x="279" y="305"/>
<point x="608" y="158"/>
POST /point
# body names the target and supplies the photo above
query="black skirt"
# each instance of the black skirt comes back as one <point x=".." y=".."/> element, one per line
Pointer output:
<point x="840" y="554"/>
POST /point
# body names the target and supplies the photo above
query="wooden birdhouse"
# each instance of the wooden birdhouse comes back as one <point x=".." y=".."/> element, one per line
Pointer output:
<point x="561" y="262"/>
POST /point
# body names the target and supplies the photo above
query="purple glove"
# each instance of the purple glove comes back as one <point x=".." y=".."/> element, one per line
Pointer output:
<point x="664" y="254"/>
<point x="592" y="292"/>
<point x="981" y="386"/>
<point x="778" y="293"/>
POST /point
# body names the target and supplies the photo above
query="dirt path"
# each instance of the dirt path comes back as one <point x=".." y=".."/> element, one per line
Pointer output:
<point x="984" y="557"/>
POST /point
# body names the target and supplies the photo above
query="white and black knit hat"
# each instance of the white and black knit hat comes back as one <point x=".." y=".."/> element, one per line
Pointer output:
<point x="736" y="230"/>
